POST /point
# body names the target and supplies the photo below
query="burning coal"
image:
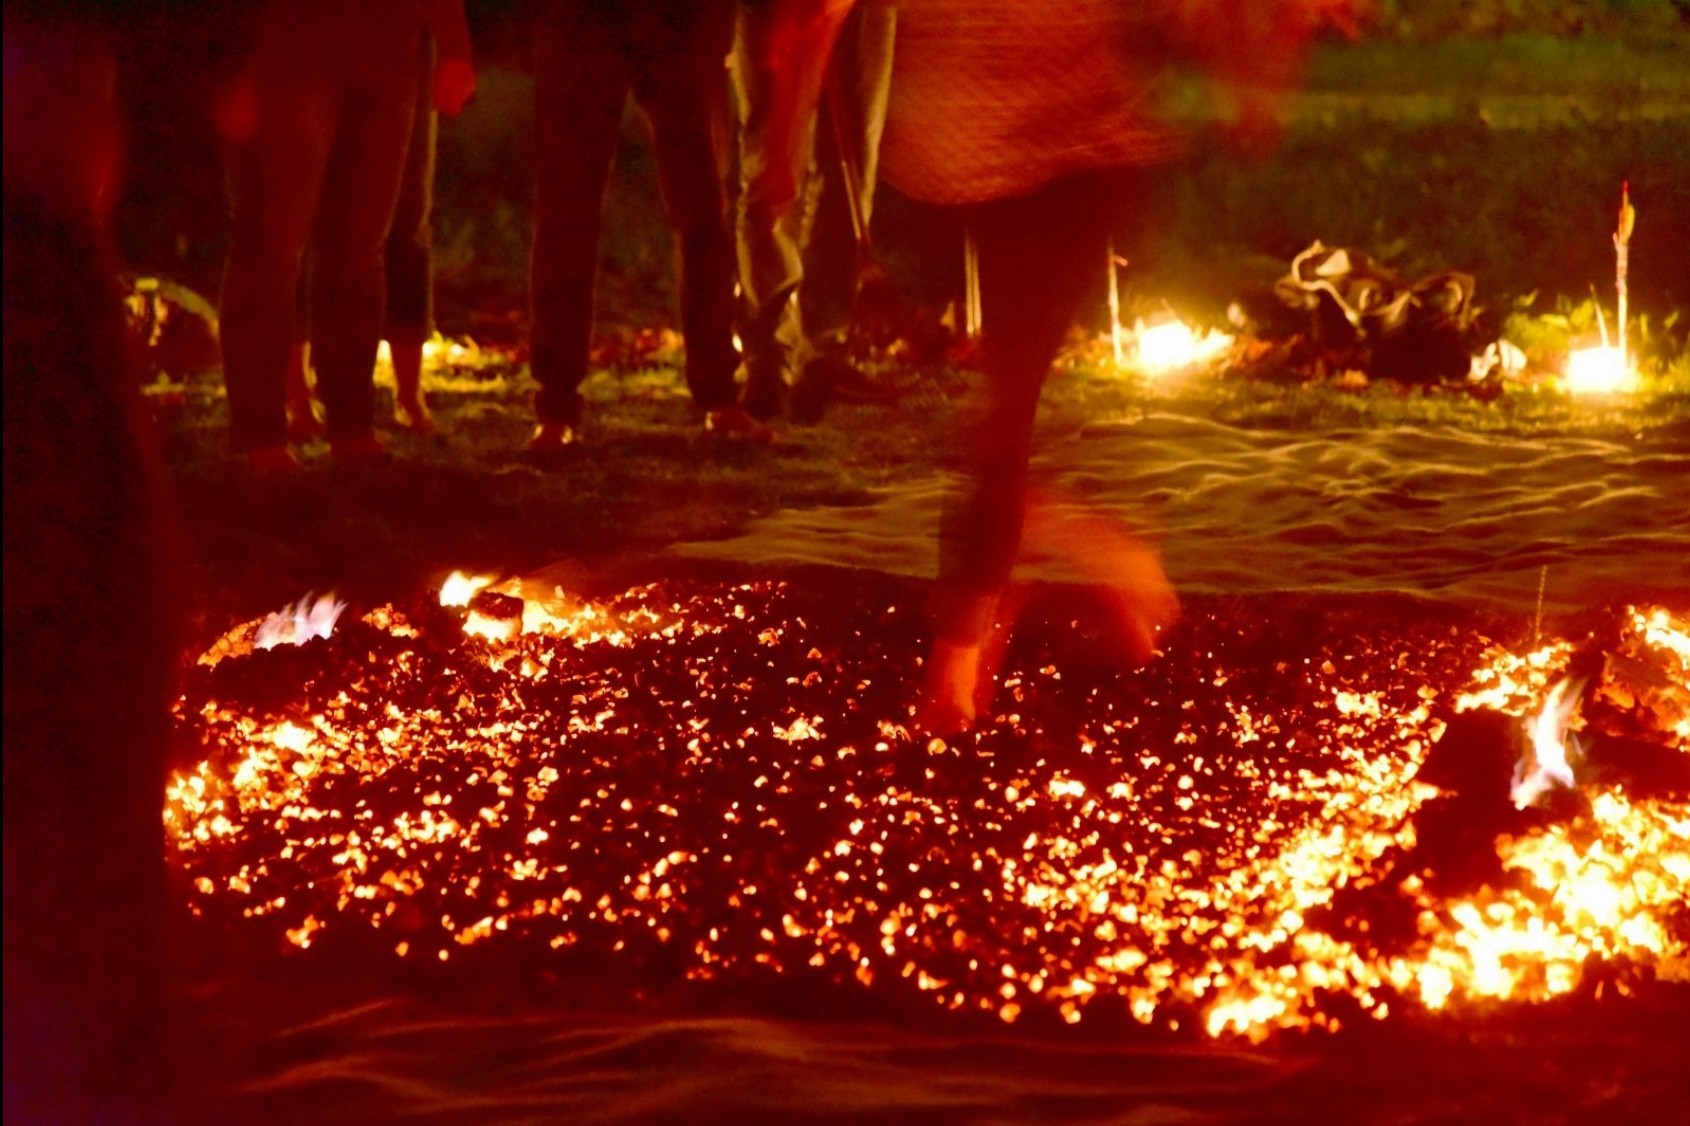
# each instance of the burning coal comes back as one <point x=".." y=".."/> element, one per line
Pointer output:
<point x="1547" y="765"/>
<point x="717" y="784"/>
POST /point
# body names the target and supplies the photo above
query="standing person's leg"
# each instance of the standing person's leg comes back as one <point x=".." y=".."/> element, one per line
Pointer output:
<point x="377" y="74"/>
<point x="833" y="262"/>
<point x="682" y="87"/>
<point x="275" y="179"/>
<point x="847" y="151"/>
<point x="305" y="418"/>
<point x="580" y="87"/>
<point x="1036" y="258"/>
<point x="410" y="257"/>
<point x="769" y="247"/>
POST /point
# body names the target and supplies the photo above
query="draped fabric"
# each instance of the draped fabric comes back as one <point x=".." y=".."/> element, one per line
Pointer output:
<point x="995" y="98"/>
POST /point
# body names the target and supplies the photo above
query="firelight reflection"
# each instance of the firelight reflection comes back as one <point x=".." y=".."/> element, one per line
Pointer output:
<point x="714" y="783"/>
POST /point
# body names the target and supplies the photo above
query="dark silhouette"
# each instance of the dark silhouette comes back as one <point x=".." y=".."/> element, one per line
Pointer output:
<point x="588" y="56"/>
<point x="89" y="648"/>
<point x="802" y="231"/>
<point x="319" y="123"/>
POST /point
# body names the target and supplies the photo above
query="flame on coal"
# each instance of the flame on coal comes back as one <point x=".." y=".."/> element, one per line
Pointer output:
<point x="459" y="588"/>
<point x="303" y="621"/>
<point x="1545" y="765"/>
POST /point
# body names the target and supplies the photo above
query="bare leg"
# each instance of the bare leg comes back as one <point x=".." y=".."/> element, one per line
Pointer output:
<point x="408" y="406"/>
<point x="305" y="417"/>
<point x="1034" y="256"/>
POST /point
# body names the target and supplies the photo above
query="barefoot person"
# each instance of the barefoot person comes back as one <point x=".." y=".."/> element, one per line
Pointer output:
<point x="319" y="124"/>
<point x="410" y="277"/>
<point x="1040" y="128"/>
<point x="1037" y="127"/>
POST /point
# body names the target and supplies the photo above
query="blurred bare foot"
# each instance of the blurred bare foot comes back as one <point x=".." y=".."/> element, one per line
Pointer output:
<point x="552" y="438"/>
<point x="409" y="410"/>
<point x="1141" y="602"/>
<point x="305" y="421"/>
<point x="947" y="703"/>
<point x="413" y="414"/>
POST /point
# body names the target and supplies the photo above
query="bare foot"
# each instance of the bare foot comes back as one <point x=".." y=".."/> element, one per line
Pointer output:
<point x="552" y="438"/>
<point x="413" y="415"/>
<point x="1141" y="601"/>
<point x="947" y="703"/>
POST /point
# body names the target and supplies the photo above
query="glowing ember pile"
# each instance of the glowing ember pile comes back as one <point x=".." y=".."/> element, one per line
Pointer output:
<point x="713" y="784"/>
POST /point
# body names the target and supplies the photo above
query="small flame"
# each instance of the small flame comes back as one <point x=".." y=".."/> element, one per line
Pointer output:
<point x="1173" y="345"/>
<point x="297" y="624"/>
<point x="1599" y="370"/>
<point x="1547" y="765"/>
<point x="459" y="588"/>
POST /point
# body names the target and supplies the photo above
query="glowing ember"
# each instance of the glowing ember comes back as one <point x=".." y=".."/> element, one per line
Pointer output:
<point x="712" y="783"/>
<point x="297" y="624"/>
<point x="1599" y="370"/>
<point x="1172" y="345"/>
<point x="1546" y="767"/>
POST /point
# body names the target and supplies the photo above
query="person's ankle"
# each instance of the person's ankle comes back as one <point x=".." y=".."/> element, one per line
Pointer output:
<point x="412" y="413"/>
<point x="949" y="689"/>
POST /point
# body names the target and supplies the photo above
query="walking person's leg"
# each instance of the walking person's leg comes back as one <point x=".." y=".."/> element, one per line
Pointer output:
<point x="1036" y="258"/>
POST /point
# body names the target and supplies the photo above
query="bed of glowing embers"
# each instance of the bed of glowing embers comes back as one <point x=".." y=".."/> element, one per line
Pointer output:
<point x="715" y="783"/>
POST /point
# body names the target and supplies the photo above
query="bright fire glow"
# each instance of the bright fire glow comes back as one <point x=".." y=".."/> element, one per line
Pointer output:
<point x="1599" y="370"/>
<point x="1172" y="345"/>
<point x="459" y="588"/>
<point x="701" y="778"/>
<point x="1546" y="767"/>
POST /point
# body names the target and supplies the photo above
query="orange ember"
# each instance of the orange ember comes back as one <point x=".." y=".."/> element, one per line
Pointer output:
<point x="716" y="783"/>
